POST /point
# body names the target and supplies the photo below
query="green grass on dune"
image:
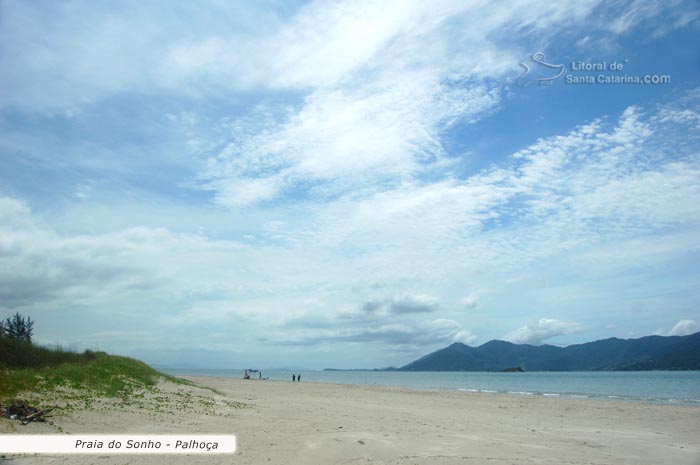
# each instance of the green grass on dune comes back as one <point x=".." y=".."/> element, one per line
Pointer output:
<point x="25" y="367"/>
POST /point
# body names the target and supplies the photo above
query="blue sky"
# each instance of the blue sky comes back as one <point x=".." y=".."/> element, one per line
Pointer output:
<point x="347" y="184"/>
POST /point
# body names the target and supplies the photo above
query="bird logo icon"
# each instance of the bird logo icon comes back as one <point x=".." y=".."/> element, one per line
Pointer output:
<point x="539" y="72"/>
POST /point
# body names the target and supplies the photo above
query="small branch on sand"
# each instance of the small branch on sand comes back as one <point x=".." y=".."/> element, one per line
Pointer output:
<point x="38" y="416"/>
<point x="20" y="410"/>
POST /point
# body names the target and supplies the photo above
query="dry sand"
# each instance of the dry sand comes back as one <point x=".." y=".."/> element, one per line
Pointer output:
<point x="310" y="423"/>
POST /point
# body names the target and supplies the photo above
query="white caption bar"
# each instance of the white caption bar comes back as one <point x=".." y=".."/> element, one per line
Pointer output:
<point x="117" y="444"/>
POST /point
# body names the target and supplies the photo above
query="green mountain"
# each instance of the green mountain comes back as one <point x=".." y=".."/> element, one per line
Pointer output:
<point x="646" y="353"/>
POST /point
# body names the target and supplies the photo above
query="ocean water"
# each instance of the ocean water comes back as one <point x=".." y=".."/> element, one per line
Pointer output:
<point x="658" y="387"/>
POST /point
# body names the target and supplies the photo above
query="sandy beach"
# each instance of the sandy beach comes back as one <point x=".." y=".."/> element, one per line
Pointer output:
<point x="309" y="423"/>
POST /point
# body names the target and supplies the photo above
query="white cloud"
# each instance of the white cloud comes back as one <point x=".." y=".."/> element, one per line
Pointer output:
<point x="470" y="301"/>
<point x="682" y="328"/>
<point x="465" y="336"/>
<point x="543" y="330"/>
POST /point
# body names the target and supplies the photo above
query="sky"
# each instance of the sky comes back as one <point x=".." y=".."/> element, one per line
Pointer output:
<point x="347" y="184"/>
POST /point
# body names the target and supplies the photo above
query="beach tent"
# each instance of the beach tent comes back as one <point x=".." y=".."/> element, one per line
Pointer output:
<point x="249" y="371"/>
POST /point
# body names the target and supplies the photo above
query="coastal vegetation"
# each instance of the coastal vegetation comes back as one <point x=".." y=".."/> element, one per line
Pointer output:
<point x="48" y="384"/>
<point x="26" y="367"/>
<point x="17" y="327"/>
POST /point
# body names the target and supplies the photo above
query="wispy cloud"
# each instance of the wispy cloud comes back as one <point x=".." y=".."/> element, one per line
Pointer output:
<point x="648" y="14"/>
<point x="373" y="117"/>
<point x="416" y="303"/>
<point x="395" y="335"/>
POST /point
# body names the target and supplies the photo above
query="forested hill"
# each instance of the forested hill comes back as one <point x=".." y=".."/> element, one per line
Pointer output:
<point x="646" y="353"/>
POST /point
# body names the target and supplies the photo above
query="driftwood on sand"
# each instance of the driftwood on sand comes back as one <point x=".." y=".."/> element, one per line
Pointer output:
<point x="22" y="411"/>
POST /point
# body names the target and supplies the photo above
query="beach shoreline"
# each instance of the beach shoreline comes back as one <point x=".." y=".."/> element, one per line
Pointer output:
<point x="654" y="387"/>
<point x="323" y="423"/>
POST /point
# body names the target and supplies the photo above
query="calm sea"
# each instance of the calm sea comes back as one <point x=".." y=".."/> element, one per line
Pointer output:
<point x="658" y="387"/>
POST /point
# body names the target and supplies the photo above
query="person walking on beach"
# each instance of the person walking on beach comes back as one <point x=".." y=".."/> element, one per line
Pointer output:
<point x="299" y="377"/>
<point x="294" y="377"/>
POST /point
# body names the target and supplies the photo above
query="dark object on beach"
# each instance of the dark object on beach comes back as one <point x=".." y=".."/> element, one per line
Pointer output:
<point x="249" y="371"/>
<point x="21" y="410"/>
<point x="513" y="370"/>
<point x="294" y="377"/>
<point x="299" y="377"/>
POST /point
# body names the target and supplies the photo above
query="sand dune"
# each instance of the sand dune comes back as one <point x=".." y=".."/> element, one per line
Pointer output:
<point x="309" y="423"/>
